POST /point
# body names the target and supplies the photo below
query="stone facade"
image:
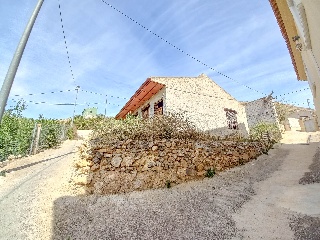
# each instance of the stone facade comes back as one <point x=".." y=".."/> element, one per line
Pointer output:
<point x="137" y="165"/>
<point x="261" y="110"/>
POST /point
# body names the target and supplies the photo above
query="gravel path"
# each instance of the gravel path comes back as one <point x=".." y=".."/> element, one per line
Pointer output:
<point x="260" y="200"/>
<point x="29" y="189"/>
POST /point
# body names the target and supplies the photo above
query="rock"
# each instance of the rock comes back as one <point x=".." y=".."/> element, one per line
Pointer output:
<point x="184" y="163"/>
<point x="107" y="155"/>
<point x="235" y="153"/>
<point x="168" y="144"/>
<point x="162" y="154"/>
<point x="151" y="164"/>
<point x="190" y="172"/>
<point x="95" y="167"/>
<point x="127" y="161"/>
<point x="102" y="150"/>
<point x="154" y="148"/>
<point x="181" y="172"/>
<point x="96" y="160"/>
<point x="180" y="154"/>
<point x="245" y="157"/>
<point x="200" y="167"/>
<point x="116" y="161"/>
<point x="110" y="177"/>
<point x="98" y="187"/>
<point x="201" y="174"/>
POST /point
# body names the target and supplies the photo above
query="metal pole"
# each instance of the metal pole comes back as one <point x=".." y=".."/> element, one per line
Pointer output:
<point x="8" y="81"/>
<point x="308" y="103"/>
<point x="75" y="104"/>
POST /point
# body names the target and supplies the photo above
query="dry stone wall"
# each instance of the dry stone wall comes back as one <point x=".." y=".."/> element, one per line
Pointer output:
<point x="136" y="165"/>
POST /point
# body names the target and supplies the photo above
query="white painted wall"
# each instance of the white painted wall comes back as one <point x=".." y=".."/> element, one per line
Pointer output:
<point x="306" y="14"/>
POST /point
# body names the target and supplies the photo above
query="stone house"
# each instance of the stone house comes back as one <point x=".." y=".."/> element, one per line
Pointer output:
<point x="299" y="21"/>
<point x="201" y="101"/>
<point x="90" y="112"/>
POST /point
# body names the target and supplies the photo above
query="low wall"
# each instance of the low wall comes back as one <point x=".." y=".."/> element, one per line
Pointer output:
<point x="137" y="165"/>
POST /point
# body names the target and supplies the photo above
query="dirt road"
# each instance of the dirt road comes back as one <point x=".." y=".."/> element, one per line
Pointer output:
<point x="276" y="196"/>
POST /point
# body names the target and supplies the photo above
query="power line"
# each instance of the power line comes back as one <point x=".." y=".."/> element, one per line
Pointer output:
<point x="283" y="94"/>
<point x="101" y="94"/>
<point x="65" y="42"/>
<point x="43" y="93"/>
<point x="177" y="48"/>
<point x="68" y="104"/>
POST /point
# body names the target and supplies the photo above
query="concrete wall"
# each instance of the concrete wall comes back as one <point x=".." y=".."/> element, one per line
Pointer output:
<point x="312" y="9"/>
<point x="307" y="18"/>
<point x="313" y="79"/>
<point x="203" y="102"/>
<point x="261" y="110"/>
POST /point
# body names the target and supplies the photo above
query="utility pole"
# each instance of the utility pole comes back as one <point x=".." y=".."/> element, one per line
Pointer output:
<point x="8" y="81"/>
<point x="105" y="109"/>
<point x="75" y="104"/>
<point x="308" y="101"/>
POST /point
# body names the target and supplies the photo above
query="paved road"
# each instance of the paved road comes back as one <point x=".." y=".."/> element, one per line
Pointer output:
<point x="273" y="197"/>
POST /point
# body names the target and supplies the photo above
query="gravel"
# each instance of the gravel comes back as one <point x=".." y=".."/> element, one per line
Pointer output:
<point x="314" y="175"/>
<point x="305" y="227"/>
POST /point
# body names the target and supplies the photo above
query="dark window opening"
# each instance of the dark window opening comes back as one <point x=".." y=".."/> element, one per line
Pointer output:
<point x="145" y="111"/>
<point x="232" y="121"/>
<point x="158" y="107"/>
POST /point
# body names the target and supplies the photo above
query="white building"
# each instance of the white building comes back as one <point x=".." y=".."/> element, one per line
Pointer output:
<point x="201" y="101"/>
<point x="299" y="22"/>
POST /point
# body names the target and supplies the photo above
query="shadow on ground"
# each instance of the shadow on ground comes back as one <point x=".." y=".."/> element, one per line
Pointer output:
<point x="35" y="163"/>
<point x="194" y="210"/>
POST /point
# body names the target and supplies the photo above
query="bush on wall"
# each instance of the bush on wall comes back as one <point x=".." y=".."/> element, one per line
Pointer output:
<point x="110" y="130"/>
<point x="258" y="131"/>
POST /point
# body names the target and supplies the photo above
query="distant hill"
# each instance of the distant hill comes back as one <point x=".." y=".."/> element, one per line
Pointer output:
<point x="283" y="110"/>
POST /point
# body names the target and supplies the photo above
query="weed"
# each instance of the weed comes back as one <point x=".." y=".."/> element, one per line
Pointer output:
<point x="3" y="173"/>
<point x="210" y="173"/>
<point x="168" y="184"/>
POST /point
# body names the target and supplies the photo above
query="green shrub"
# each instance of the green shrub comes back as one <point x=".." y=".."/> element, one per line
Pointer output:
<point x="210" y="173"/>
<point x="256" y="132"/>
<point x="16" y="132"/>
<point x="110" y="130"/>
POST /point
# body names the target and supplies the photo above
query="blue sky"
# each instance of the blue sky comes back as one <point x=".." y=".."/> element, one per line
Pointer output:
<point x="112" y="55"/>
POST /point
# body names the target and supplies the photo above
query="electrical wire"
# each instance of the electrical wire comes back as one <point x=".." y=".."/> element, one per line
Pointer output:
<point x="179" y="49"/>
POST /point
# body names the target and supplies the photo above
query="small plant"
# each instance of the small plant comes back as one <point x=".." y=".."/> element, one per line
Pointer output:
<point x="168" y="184"/>
<point x="3" y="173"/>
<point x="210" y="173"/>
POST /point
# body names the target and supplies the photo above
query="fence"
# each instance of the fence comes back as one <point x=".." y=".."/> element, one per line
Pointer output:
<point x="28" y="140"/>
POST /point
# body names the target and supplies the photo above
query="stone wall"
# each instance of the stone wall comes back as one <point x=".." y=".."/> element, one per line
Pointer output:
<point x="137" y="165"/>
